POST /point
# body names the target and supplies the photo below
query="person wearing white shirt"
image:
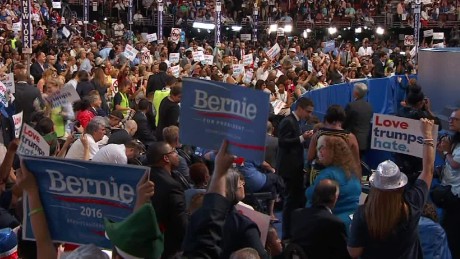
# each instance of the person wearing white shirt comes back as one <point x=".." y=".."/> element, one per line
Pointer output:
<point x="86" y="147"/>
<point x="118" y="154"/>
<point x="365" y="49"/>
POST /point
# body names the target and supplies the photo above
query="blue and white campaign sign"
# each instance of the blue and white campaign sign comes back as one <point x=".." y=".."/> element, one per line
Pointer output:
<point x="329" y="46"/>
<point x="213" y="111"/>
<point x="78" y="195"/>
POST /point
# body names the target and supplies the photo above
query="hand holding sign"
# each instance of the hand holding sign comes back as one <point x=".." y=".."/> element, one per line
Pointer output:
<point x="145" y="190"/>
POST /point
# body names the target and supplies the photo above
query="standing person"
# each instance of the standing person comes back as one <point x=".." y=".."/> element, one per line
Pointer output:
<point x="169" y="199"/>
<point x="84" y="86"/>
<point x="28" y="98"/>
<point x="169" y="110"/>
<point x="358" y="117"/>
<point x="158" y="81"/>
<point x="100" y="84"/>
<point x="121" y="100"/>
<point x="450" y="148"/>
<point x="38" y="67"/>
<point x="386" y="226"/>
<point x="290" y="159"/>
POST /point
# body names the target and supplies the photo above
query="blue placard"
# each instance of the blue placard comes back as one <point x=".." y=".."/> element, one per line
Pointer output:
<point x="212" y="111"/>
<point x="77" y="195"/>
<point x="329" y="46"/>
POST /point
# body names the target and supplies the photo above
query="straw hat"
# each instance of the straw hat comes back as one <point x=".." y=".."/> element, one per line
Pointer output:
<point x="388" y="176"/>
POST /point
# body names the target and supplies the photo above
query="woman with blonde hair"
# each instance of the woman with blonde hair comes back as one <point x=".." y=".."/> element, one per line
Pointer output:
<point x="101" y="85"/>
<point x="386" y="226"/>
<point x="49" y="73"/>
<point x="335" y="154"/>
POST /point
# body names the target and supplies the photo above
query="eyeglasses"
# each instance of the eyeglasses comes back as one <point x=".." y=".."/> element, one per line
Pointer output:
<point x="454" y="119"/>
<point x="170" y="152"/>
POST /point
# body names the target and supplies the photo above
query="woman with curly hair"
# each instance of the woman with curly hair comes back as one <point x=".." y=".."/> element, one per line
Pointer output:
<point x="335" y="154"/>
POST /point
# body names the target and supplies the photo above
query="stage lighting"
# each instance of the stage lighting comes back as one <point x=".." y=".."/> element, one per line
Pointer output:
<point x="287" y="28"/>
<point x="206" y="26"/>
<point x="358" y="30"/>
<point x="332" y="30"/>
<point x="273" y="28"/>
<point x="236" y="28"/>
<point x="380" y="31"/>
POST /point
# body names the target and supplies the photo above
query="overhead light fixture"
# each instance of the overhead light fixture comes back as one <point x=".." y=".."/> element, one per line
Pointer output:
<point x="332" y="30"/>
<point x="287" y="28"/>
<point x="358" y="30"/>
<point x="365" y="27"/>
<point x="201" y="25"/>
<point x="236" y="28"/>
<point x="273" y="28"/>
<point x="305" y="34"/>
<point x="308" y="30"/>
<point x="380" y="31"/>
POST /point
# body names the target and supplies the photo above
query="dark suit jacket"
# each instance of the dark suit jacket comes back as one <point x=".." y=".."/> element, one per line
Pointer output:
<point x="144" y="132"/>
<point x="36" y="71"/>
<point x="379" y="69"/>
<point x="119" y="137"/>
<point x="169" y="204"/>
<point x="25" y="96"/>
<point x="358" y="121"/>
<point x="84" y="87"/>
<point x="320" y="233"/>
<point x="237" y="53"/>
<point x="156" y="82"/>
<point x="271" y="150"/>
<point x="290" y="159"/>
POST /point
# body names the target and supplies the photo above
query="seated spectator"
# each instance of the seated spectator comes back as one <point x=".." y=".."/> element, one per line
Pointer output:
<point x="432" y="236"/>
<point x="84" y="114"/>
<point x="199" y="175"/>
<point x="117" y="153"/>
<point x="116" y="121"/>
<point x="320" y="233"/>
<point x="86" y="146"/>
<point x="145" y="132"/>
<point x="125" y="135"/>
<point x="171" y="136"/>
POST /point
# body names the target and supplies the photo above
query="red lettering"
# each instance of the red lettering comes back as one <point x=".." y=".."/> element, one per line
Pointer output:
<point x="391" y="123"/>
<point x="32" y="135"/>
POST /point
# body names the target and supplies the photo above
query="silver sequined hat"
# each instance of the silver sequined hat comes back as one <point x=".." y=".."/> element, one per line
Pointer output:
<point x="388" y="176"/>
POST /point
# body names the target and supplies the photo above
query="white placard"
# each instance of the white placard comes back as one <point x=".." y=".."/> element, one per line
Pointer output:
<point x="57" y="5"/>
<point x="280" y="32"/>
<point x="208" y="60"/>
<point x="278" y="105"/>
<point x="218" y="6"/>
<point x="262" y="220"/>
<point x="8" y="81"/>
<point x="438" y="35"/>
<point x="32" y="143"/>
<point x="245" y="37"/>
<point x="238" y="69"/>
<point x="428" y="33"/>
<point x="310" y="66"/>
<point x="175" y="34"/>
<point x="409" y="40"/>
<point x="66" y="95"/>
<point x="248" y="77"/>
<point x="247" y="59"/>
<point x="65" y="32"/>
<point x="16" y="26"/>
<point x="17" y="120"/>
<point x="274" y="51"/>
<point x="151" y="37"/>
<point x="399" y="135"/>
<point x="198" y="55"/>
<point x="174" y="58"/>
<point x="130" y="52"/>
<point x="175" y="71"/>
<point x="3" y="94"/>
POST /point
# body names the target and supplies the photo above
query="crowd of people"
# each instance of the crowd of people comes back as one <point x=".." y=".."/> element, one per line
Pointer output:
<point x="128" y="113"/>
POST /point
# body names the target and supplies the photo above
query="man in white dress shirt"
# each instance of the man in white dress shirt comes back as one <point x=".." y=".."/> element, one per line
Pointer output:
<point x="86" y="147"/>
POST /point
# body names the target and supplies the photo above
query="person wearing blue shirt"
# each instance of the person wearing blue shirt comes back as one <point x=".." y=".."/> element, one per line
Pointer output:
<point x="336" y="156"/>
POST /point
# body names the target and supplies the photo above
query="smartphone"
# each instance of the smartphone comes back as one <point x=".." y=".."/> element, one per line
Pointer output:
<point x="77" y="135"/>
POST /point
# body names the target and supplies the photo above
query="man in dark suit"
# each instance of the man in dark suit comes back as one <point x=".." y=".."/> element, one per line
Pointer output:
<point x="27" y="97"/>
<point x="169" y="199"/>
<point x="38" y="67"/>
<point x="320" y="233"/>
<point x="359" y="115"/>
<point x="271" y="146"/>
<point x="158" y="81"/>
<point x="144" y="133"/>
<point x="240" y="51"/>
<point x="290" y="159"/>
<point x="169" y="110"/>
<point x="379" y="66"/>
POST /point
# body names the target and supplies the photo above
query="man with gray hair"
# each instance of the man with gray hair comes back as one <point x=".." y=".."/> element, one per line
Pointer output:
<point x="86" y="146"/>
<point x="359" y="114"/>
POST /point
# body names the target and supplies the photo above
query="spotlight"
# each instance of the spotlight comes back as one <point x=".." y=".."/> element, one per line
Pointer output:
<point x="358" y="30"/>
<point x="380" y="31"/>
<point x="206" y="26"/>
<point x="332" y="30"/>
<point x="236" y="28"/>
<point x="308" y="30"/>
<point x="273" y="28"/>
<point x="287" y="28"/>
